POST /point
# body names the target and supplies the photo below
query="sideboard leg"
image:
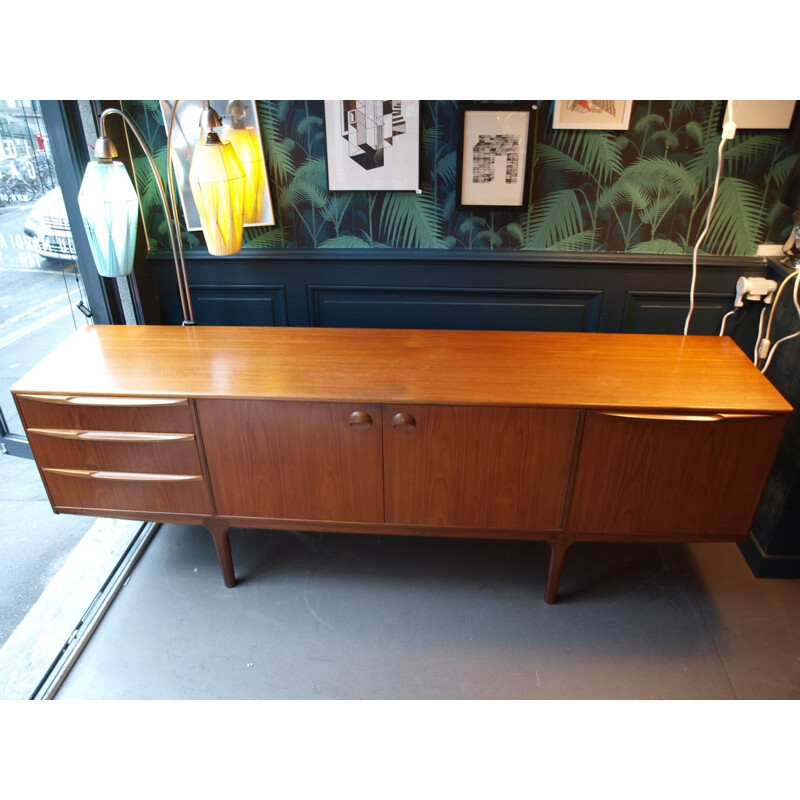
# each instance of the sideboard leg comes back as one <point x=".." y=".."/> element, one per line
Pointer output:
<point x="220" y="532"/>
<point x="557" y="552"/>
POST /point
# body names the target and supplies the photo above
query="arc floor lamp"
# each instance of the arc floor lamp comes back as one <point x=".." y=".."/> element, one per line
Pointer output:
<point x="109" y="202"/>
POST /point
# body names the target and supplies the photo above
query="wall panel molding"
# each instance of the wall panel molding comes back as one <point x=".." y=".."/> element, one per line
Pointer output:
<point x="656" y="312"/>
<point x="457" y="308"/>
<point x="382" y="255"/>
<point x="508" y="280"/>
<point x="228" y="305"/>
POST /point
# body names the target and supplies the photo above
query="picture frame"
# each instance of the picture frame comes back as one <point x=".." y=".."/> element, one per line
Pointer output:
<point x="600" y="115"/>
<point x="495" y="156"/>
<point x="186" y="134"/>
<point x="373" y="145"/>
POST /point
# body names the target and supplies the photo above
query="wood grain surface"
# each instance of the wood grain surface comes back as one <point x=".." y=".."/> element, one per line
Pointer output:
<point x="478" y="467"/>
<point x="293" y="460"/>
<point x="579" y="370"/>
<point x="38" y="413"/>
<point x="651" y="477"/>
<point x="180" y="458"/>
<point x="143" y="496"/>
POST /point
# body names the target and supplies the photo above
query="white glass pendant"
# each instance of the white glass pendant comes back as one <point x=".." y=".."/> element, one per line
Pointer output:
<point x="109" y="205"/>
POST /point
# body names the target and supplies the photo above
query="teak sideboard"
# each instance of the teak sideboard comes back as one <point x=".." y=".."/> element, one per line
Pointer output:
<point x="560" y="437"/>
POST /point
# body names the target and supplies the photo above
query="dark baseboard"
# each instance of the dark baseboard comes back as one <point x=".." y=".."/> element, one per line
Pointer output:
<point x="765" y="565"/>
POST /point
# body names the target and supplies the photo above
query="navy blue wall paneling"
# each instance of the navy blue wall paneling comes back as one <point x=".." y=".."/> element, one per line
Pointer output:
<point x="466" y="290"/>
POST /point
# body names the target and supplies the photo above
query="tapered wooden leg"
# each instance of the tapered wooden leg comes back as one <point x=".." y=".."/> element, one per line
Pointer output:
<point x="557" y="552"/>
<point x="219" y="531"/>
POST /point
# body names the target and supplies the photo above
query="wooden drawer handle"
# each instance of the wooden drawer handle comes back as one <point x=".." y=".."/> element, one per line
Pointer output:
<point x="122" y="476"/>
<point x="91" y="400"/>
<point x="112" y="436"/>
<point x="360" y="421"/>
<point x="403" y="423"/>
<point x="683" y="417"/>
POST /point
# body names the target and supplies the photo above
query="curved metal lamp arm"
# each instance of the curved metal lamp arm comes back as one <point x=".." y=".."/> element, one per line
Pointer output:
<point x="173" y="200"/>
<point x="169" y="209"/>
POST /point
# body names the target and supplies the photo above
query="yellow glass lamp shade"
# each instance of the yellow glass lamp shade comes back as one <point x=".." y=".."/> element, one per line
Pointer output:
<point x="217" y="182"/>
<point x="248" y="147"/>
<point x="109" y="204"/>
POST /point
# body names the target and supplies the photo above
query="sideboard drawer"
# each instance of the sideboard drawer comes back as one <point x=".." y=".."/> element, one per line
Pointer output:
<point x="121" y="451"/>
<point x="130" y="455"/>
<point x="127" y="491"/>
<point x="78" y="412"/>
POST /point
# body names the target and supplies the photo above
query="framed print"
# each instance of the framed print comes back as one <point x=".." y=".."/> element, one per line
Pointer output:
<point x="372" y="145"/>
<point x="761" y="114"/>
<point x="494" y="158"/>
<point x="240" y="127"/>
<point x="601" y="115"/>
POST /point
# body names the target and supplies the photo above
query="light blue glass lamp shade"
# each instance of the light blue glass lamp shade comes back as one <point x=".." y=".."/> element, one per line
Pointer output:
<point x="109" y="205"/>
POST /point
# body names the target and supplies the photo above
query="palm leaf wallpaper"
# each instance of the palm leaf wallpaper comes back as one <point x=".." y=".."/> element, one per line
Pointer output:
<point x="644" y="190"/>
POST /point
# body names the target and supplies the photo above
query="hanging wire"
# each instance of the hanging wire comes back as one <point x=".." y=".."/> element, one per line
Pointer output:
<point x="725" y="319"/>
<point x="69" y="298"/>
<point x="796" y="299"/>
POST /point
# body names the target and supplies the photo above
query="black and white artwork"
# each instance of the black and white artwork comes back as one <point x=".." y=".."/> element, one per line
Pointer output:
<point x="372" y="145"/>
<point x="494" y="166"/>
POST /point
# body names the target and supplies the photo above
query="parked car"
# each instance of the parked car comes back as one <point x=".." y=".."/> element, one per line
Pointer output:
<point x="47" y="225"/>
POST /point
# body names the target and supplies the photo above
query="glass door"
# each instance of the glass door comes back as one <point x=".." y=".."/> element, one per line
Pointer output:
<point x="42" y="298"/>
<point x="58" y="572"/>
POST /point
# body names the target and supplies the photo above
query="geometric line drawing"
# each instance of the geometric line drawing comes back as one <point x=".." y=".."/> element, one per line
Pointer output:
<point x="369" y="128"/>
<point x="485" y="152"/>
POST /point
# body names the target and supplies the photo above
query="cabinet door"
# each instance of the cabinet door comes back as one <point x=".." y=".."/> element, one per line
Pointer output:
<point x="478" y="467"/>
<point x="294" y="460"/>
<point x="651" y="475"/>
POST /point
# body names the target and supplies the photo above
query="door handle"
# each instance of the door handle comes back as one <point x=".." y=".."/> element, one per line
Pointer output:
<point x="112" y="436"/>
<point x="110" y="475"/>
<point x="95" y="400"/>
<point x="403" y="423"/>
<point x="360" y="421"/>
<point x="682" y="417"/>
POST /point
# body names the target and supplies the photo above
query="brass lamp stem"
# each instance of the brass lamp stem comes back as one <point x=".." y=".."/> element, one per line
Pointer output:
<point x="171" y="182"/>
<point x="104" y="148"/>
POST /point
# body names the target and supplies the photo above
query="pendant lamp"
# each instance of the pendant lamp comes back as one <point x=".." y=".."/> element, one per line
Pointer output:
<point x="248" y="148"/>
<point x="108" y="204"/>
<point x="217" y="182"/>
<point x="108" y="201"/>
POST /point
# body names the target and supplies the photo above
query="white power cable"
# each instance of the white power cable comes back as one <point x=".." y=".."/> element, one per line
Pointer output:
<point x="778" y="294"/>
<point x="758" y="336"/>
<point x="796" y="300"/>
<point x="727" y="133"/>
<point x="722" y="326"/>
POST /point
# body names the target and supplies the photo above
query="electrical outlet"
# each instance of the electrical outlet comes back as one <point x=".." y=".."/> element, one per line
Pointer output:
<point x="754" y="289"/>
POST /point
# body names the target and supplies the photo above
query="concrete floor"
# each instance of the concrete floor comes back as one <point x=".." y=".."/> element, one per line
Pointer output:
<point x="35" y="543"/>
<point x="324" y="616"/>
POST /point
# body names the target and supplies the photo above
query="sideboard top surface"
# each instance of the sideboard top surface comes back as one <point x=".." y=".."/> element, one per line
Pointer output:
<point x="588" y="370"/>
